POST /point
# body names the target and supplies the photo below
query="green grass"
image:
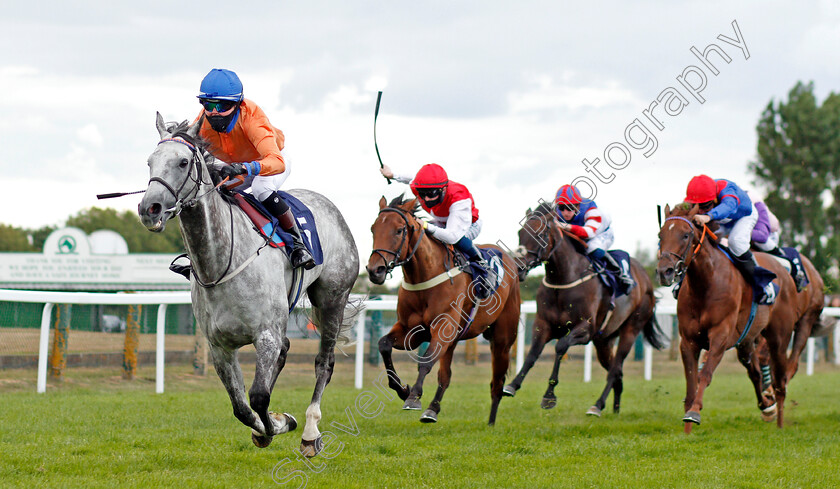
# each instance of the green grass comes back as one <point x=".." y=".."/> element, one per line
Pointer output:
<point x="94" y="430"/>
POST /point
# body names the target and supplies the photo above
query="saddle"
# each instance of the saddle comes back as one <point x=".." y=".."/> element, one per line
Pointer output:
<point x="269" y="228"/>
<point x="610" y="277"/>
<point x="492" y="256"/>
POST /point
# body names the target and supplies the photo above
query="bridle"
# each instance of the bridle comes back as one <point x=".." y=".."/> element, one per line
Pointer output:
<point x="396" y="262"/>
<point x="683" y="259"/>
<point x="197" y="156"/>
<point x="543" y="237"/>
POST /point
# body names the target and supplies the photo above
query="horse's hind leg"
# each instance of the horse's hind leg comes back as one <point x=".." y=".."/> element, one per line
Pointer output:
<point x="227" y="367"/>
<point x="614" y="365"/>
<point x="542" y="333"/>
<point x="749" y="358"/>
<point x="271" y="357"/>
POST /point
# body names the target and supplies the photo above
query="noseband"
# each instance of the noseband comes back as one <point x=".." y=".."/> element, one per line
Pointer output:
<point x="682" y="259"/>
<point x="391" y="265"/>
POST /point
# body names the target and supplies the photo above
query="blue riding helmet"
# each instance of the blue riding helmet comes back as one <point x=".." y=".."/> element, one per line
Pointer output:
<point x="221" y="84"/>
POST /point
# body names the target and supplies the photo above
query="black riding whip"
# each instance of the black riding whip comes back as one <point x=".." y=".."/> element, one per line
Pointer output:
<point x="375" y="145"/>
<point x="117" y="194"/>
<point x="659" y="214"/>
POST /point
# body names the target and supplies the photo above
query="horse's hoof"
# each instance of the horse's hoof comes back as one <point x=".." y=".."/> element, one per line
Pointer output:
<point x="412" y="404"/>
<point x="310" y="448"/>
<point x="692" y="417"/>
<point x="509" y="391"/>
<point x="548" y="402"/>
<point x="260" y="440"/>
<point x="594" y="411"/>
<point x="428" y="416"/>
<point x="769" y="413"/>
<point x="291" y="422"/>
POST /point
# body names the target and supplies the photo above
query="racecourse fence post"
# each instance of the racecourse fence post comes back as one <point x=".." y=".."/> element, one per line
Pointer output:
<point x="673" y="353"/>
<point x="58" y="358"/>
<point x="587" y="362"/>
<point x="471" y="351"/>
<point x="43" y="347"/>
<point x="132" y="341"/>
<point x="520" y="341"/>
<point x="837" y="344"/>
<point x="360" y="349"/>
<point x="648" y="362"/>
<point x="810" y="356"/>
<point x="160" y="350"/>
<point x="200" y="353"/>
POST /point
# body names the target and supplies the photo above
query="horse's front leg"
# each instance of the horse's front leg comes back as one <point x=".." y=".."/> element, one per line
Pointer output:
<point x="397" y="337"/>
<point x="717" y="347"/>
<point x="579" y="335"/>
<point x="542" y="335"/>
<point x="271" y="357"/>
<point x="227" y="367"/>
<point x="444" y="377"/>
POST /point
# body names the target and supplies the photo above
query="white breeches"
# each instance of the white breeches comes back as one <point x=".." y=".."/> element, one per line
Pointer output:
<point x="600" y="241"/>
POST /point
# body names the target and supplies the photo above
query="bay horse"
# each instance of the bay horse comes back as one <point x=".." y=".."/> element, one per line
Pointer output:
<point x="574" y="307"/>
<point x="435" y="303"/>
<point x="715" y="306"/>
<point x="240" y="287"/>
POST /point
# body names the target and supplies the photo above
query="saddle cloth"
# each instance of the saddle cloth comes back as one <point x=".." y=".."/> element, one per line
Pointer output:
<point x="610" y="277"/>
<point x="268" y="226"/>
<point x="492" y="256"/>
<point x="792" y="263"/>
<point x="761" y="275"/>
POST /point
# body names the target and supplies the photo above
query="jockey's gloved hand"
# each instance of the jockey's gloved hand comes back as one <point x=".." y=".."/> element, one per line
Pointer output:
<point x="233" y="170"/>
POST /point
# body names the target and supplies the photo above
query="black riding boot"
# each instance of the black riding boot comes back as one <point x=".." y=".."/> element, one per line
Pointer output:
<point x="747" y="264"/>
<point x="625" y="278"/>
<point x="280" y="209"/>
<point x="485" y="277"/>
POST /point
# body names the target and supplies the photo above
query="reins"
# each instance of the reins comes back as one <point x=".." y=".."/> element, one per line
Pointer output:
<point x="545" y="237"/>
<point x="681" y="265"/>
<point x="181" y="203"/>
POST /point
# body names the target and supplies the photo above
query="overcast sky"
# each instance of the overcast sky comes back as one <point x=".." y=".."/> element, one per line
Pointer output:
<point x="509" y="97"/>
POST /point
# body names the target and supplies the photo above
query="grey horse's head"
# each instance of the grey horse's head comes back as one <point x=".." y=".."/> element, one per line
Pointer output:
<point x="174" y="171"/>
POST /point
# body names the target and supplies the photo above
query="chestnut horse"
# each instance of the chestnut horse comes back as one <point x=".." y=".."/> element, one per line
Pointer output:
<point x="573" y="308"/>
<point x="714" y="307"/>
<point x="435" y="304"/>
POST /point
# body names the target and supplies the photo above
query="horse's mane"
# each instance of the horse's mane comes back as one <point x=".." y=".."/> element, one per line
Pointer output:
<point x="684" y="208"/>
<point x="400" y="200"/>
<point x="179" y="130"/>
<point x="544" y="209"/>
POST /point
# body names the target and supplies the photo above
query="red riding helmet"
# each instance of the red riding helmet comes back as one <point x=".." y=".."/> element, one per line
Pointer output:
<point x="701" y="189"/>
<point x="430" y="176"/>
<point x="568" y="195"/>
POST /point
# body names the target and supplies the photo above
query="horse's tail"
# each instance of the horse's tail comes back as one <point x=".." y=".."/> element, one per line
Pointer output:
<point x="653" y="333"/>
<point x="352" y="309"/>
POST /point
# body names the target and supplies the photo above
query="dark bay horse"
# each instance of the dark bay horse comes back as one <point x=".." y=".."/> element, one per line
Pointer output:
<point x="240" y="287"/>
<point x="434" y="305"/>
<point x="573" y="307"/>
<point x="714" y="307"/>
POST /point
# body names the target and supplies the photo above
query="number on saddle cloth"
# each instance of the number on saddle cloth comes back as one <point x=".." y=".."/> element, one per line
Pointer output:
<point x="268" y="226"/>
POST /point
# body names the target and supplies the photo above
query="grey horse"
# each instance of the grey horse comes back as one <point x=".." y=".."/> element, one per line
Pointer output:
<point x="240" y="288"/>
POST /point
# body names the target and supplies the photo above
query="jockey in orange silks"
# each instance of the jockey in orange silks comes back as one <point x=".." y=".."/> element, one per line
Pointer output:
<point x="585" y="220"/>
<point x="454" y="216"/>
<point x="240" y="134"/>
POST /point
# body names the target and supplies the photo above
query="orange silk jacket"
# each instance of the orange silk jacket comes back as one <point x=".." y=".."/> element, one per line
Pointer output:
<point x="252" y="138"/>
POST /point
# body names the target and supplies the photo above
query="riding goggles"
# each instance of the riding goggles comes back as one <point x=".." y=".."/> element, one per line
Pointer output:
<point x="217" y="105"/>
<point x="429" y="193"/>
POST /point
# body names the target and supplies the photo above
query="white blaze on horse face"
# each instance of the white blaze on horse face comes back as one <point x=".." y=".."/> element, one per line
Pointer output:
<point x="671" y="226"/>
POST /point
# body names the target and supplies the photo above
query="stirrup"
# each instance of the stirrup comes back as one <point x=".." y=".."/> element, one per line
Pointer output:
<point x="302" y="258"/>
<point x="766" y="298"/>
